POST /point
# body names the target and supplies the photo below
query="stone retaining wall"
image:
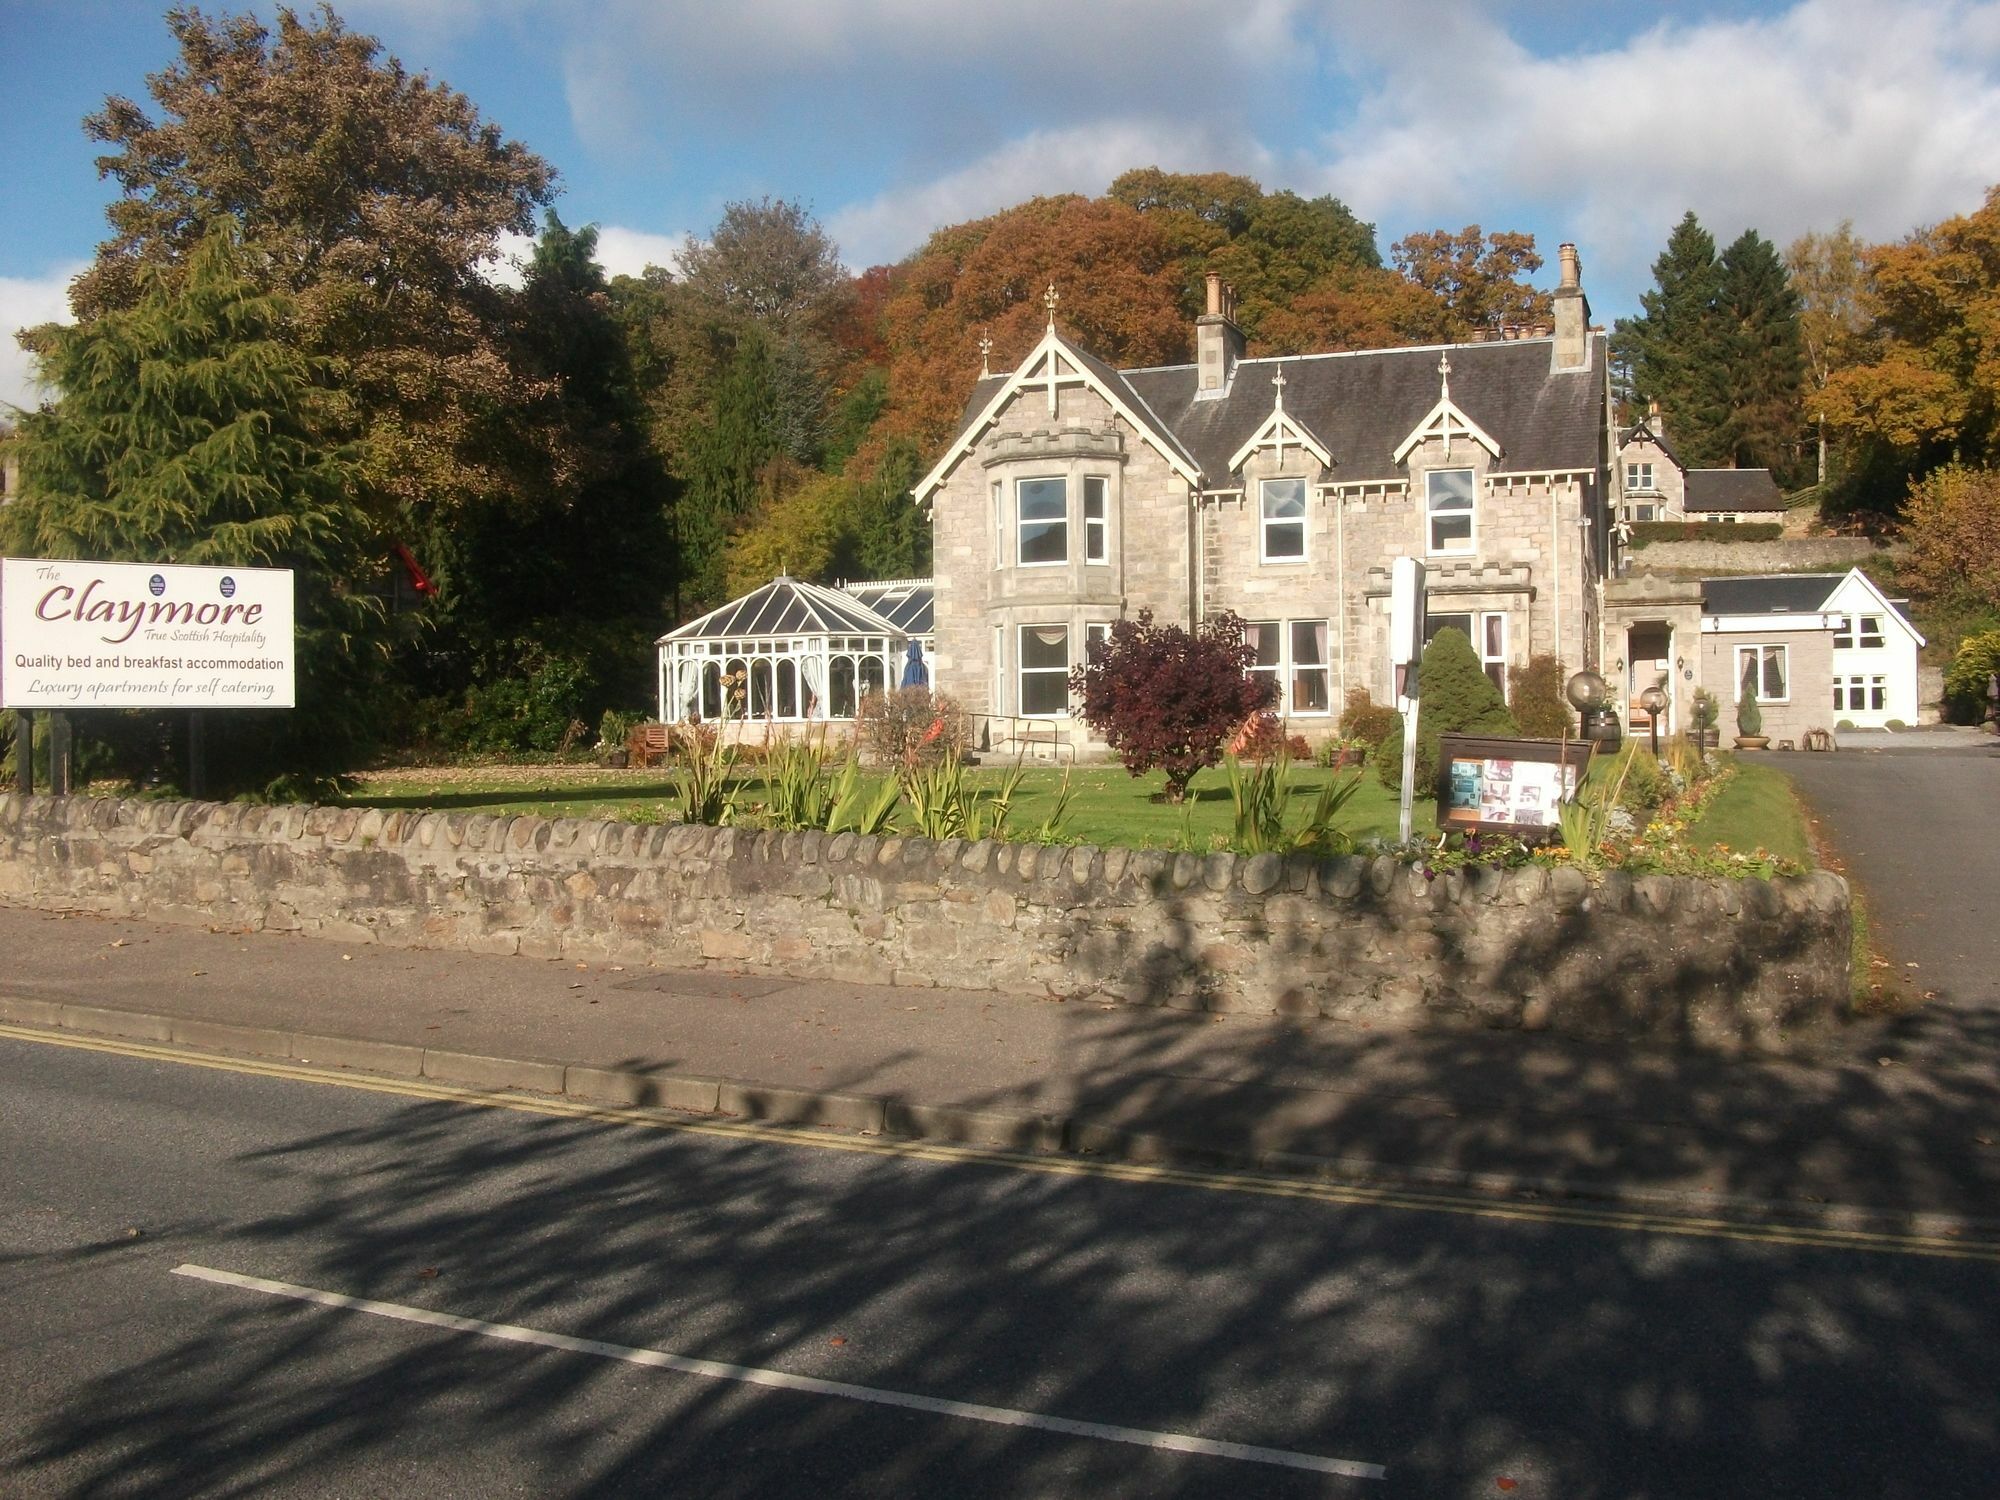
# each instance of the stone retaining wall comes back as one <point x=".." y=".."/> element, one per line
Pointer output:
<point x="1362" y="939"/>
<point x="1787" y="555"/>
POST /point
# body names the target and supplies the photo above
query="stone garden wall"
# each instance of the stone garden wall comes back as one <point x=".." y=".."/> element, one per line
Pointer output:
<point x="1719" y="962"/>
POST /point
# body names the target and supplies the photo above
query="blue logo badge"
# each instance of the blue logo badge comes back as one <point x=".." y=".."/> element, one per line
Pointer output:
<point x="228" y="587"/>
<point x="157" y="584"/>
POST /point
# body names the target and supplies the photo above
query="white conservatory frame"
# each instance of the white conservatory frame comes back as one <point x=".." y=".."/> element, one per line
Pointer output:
<point x="788" y="653"/>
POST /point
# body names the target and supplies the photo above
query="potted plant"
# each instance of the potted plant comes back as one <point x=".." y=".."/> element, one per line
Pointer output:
<point x="1703" y="712"/>
<point x="1749" y="719"/>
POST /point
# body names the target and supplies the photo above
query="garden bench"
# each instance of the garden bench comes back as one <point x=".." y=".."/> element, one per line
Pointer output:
<point x="649" y="744"/>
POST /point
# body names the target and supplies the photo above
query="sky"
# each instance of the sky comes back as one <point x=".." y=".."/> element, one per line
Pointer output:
<point x="1595" y="121"/>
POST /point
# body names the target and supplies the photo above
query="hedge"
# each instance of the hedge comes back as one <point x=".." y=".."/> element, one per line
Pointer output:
<point x="1644" y="532"/>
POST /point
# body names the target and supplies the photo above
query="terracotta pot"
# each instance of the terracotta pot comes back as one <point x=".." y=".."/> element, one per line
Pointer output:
<point x="1752" y="741"/>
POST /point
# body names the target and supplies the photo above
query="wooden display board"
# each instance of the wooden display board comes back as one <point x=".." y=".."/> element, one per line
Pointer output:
<point x="1488" y="785"/>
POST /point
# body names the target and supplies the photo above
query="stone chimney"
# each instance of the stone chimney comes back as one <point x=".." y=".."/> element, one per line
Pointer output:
<point x="1218" y="341"/>
<point x="1572" y="309"/>
<point x="1655" y="422"/>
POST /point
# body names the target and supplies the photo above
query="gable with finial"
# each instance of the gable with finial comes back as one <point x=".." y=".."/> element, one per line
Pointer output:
<point x="1281" y="430"/>
<point x="1445" y="421"/>
<point x="1054" y="364"/>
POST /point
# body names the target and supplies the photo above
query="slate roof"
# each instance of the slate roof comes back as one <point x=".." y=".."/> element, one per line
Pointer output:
<point x="1777" y="594"/>
<point x="907" y="603"/>
<point x="1732" y="489"/>
<point x="786" y="606"/>
<point x="1645" y="429"/>
<point x="1362" y="404"/>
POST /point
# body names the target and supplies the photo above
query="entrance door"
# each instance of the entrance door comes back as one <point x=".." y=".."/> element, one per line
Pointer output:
<point x="1649" y="659"/>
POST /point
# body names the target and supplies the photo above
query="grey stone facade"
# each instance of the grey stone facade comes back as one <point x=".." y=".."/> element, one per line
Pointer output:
<point x="1185" y="458"/>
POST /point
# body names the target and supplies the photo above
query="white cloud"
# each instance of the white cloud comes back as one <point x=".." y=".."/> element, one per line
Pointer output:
<point x="1834" y="109"/>
<point x="1083" y="160"/>
<point x="24" y="302"/>
<point x="627" y="252"/>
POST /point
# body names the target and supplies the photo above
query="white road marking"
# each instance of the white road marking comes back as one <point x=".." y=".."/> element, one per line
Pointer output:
<point x="1172" y="1442"/>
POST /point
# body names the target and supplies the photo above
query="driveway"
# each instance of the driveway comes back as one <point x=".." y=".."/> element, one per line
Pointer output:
<point x="1919" y="831"/>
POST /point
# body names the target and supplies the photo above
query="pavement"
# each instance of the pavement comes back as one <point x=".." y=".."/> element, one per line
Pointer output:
<point x="1887" y="1121"/>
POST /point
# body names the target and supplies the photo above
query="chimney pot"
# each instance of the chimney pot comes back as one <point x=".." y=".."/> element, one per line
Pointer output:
<point x="1572" y="266"/>
<point x="1214" y="293"/>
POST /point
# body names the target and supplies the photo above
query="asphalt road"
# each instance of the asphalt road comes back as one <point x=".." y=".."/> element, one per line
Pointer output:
<point x="1920" y="832"/>
<point x="1468" y="1354"/>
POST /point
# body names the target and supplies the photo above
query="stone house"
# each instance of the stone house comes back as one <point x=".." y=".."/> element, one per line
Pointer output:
<point x="1825" y="649"/>
<point x="1658" y="487"/>
<point x="1279" y="488"/>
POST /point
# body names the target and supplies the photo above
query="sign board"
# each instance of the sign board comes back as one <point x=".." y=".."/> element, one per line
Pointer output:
<point x="1506" y="786"/>
<point x="1406" y="611"/>
<point x="139" y="635"/>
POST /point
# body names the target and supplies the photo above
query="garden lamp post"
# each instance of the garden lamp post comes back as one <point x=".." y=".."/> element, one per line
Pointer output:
<point x="1590" y="696"/>
<point x="1653" y="700"/>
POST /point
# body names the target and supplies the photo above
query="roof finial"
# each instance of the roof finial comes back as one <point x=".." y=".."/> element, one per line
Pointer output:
<point x="1049" y="300"/>
<point x="1444" y="377"/>
<point x="985" y="353"/>
<point x="1278" y="380"/>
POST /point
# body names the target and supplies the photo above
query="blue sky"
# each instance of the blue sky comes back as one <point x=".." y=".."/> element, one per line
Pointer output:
<point x="1599" y="123"/>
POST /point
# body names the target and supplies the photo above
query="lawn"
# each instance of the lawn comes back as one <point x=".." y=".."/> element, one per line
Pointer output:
<point x="1107" y="806"/>
<point x="1756" y="809"/>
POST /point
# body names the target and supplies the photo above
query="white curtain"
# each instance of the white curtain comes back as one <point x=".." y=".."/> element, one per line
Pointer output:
<point x="812" y="667"/>
<point x="690" y="690"/>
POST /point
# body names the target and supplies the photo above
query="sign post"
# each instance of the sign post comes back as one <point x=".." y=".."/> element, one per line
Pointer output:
<point x="1406" y="648"/>
<point x="139" y="635"/>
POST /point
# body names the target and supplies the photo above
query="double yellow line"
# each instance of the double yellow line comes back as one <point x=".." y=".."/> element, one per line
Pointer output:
<point x="1463" y="1204"/>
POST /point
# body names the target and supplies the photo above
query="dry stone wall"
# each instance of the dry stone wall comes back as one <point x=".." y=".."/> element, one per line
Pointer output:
<point x="1363" y="939"/>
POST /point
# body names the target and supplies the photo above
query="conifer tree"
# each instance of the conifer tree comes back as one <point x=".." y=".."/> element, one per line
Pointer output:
<point x="1766" y="362"/>
<point x="1457" y="697"/>
<point x="190" y="429"/>
<point x="1677" y="349"/>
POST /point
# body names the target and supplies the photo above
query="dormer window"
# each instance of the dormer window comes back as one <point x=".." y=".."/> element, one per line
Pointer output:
<point x="1042" y="521"/>
<point x="1448" y="495"/>
<point x="1283" y="508"/>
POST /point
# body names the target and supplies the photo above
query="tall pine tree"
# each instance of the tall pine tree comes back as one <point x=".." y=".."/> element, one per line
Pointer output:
<point x="1766" y="362"/>
<point x="1678" y="349"/>
<point x="190" y="429"/>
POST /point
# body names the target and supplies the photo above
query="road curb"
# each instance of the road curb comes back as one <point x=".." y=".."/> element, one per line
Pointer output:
<point x="1040" y="1135"/>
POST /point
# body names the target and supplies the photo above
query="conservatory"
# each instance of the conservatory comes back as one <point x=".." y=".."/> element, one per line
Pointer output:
<point x="793" y="652"/>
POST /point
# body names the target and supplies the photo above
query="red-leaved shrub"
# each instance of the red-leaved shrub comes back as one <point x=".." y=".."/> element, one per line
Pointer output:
<point x="1167" y="699"/>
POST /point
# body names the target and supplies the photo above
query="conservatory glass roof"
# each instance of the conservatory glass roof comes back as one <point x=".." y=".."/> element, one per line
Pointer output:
<point x="787" y="606"/>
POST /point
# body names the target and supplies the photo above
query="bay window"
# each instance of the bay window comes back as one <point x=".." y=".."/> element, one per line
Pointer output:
<point x="1044" y="670"/>
<point x="1042" y="521"/>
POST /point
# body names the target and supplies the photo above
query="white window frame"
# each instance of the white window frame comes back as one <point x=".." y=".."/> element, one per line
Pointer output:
<point x="1283" y="672"/>
<point x="1861" y="693"/>
<point x="999" y="669"/>
<point x="1470" y="511"/>
<point x="1022" y="522"/>
<point x="1022" y="671"/>
<point x="1639" y="478"/>
<point x="1096" y="528"/>
<point x="1093" y="631"/>
<point x="1763" y="672"/>
<point x="1872" y="635"/>
<point x="1266" y="522"/>
<point x="999" y="491"/>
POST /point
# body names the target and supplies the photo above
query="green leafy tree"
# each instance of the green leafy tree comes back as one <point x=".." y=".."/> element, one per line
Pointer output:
<point x="1456" y="697"/>
<point x="722" y="490"/>
<point x="371" y="195"/>
<point x="1479" y="280"/>
<point x="190" y="429"/>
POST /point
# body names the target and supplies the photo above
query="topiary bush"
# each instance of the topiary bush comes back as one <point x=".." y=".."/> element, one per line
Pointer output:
<point x="1535" y="696"/>
<point x="1457" y="698"/>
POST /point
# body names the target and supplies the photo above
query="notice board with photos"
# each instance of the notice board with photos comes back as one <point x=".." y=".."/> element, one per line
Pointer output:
<point x="1489" y="785"/>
